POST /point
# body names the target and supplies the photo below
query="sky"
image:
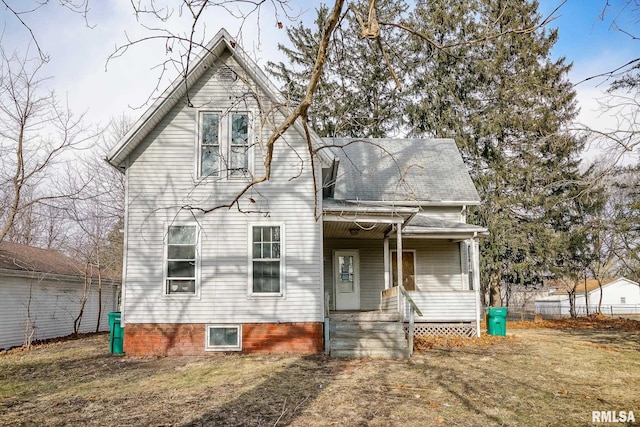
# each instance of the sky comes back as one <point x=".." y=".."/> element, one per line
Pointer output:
<point x="79" y="50"/>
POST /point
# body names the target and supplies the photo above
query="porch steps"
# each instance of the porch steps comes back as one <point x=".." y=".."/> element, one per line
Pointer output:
<point x="367" y="339"/>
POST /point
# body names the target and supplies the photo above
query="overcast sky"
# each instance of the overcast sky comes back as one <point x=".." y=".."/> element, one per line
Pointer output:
<point x="79" y="51"/>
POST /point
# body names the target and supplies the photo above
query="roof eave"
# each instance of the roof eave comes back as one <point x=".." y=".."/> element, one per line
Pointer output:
<point x="169" y="97"/>
<point x="421" y="202"/>
<point x="177" y="90"/>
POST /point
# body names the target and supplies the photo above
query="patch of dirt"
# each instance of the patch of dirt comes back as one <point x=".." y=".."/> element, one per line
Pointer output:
<point x="591" y="322"/>
<point x="427" y="343"/>
<point x="39" y="343"/>
<point x="538" y="377"/>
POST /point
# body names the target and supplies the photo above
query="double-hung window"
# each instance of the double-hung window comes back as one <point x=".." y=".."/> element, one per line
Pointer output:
<point x="266" y="260"/>
<point x="224" y="144"/>
<point x="239" y="147"/>
<point x="210" y="145"/>
<point x="181" y="260"/>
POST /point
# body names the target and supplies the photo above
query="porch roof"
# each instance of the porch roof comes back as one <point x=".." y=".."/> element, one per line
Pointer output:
<point x="349" y="219"/>
<point x="354" y="211"/>
<point x="422" y="225"/>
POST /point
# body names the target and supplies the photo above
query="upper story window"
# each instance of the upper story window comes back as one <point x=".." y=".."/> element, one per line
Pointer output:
<point x="181" y="260"/>
<point x="239" y="148"/>
<point x="224" y="144"/>
<point x="210" y="145"/>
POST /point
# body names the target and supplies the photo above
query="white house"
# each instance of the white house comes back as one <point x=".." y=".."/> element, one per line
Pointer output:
<point x="40" y="296"/>
<point x="619" y="296"/>
<point x="339" y="224"/>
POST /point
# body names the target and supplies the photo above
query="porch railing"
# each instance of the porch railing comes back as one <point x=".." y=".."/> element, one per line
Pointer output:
<point x="412" y="310"/>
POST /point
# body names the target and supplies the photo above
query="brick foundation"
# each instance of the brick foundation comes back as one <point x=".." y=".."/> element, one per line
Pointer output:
<point x="168" y="339"/>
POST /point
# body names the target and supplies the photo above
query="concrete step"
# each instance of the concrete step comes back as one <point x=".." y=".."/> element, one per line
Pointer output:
<point x="395" y="327"/>
<point x="372" y="343"/>
<point x="367" y="339"/>
<point x="370" y="334"/>
<point x="387" y="353"/>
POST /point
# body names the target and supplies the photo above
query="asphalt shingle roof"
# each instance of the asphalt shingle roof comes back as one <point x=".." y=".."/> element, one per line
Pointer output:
<point x="17" y="257"/>
<point x="426" y="170"/>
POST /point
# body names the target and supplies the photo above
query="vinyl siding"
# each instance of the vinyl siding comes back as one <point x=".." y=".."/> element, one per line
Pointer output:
<point x="53" y="307"/>
<point x="438" y="267"/>
<point x="162" y="179"/>
<point x="444" y="306"/>
<point x="371" y="269"/>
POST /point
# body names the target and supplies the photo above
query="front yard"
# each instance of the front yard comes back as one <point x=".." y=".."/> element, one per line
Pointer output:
<point x="541" y="376"/>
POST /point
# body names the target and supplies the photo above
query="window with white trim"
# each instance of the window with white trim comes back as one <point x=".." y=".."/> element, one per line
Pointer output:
<point x="224" y="338"/>
<point x="181" y="249"/>
<point x="266" y="260"/>
<point x="210" y="144"/>
<point x="239" y="147"/>
<point x="223" y="144"/>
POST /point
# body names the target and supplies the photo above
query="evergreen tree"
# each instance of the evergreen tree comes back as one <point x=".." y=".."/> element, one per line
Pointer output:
<point x="506" y="104"/>
<point x="478" y="71"/>
<point x="357" y="96"/>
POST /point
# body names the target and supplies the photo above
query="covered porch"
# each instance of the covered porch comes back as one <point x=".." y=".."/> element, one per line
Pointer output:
<point x="403" y="261"/>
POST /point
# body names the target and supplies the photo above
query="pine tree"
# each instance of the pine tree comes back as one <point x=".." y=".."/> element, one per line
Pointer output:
<point x="357" y="96"/>
<point x="478" y="71"/>
<point x="506" y="104"/>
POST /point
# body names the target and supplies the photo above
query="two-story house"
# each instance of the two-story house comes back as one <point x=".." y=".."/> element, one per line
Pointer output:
<point x="215" y="264"/>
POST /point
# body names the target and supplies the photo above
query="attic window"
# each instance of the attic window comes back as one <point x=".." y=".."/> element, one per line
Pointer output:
<point x="227" y="74"/>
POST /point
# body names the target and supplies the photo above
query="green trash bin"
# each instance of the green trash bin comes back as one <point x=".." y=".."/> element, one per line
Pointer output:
<point x="497" y="321"/>
<point x="116" y="333"/>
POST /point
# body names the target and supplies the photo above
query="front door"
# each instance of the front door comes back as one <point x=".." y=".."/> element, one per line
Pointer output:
<point x="347" y="279"/>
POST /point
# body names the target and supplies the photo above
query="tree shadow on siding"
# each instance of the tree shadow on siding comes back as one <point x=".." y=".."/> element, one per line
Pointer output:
<point x="278" y="400"/>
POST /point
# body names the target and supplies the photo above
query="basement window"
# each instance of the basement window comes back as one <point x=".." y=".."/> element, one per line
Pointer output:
<point x="224" y="338"/>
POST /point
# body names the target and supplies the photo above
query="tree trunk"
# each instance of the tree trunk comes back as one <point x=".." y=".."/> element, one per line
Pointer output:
<point x="99" y="298"/>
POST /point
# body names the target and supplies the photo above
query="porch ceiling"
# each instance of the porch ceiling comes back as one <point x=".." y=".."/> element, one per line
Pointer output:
<point x="354" y="230"/>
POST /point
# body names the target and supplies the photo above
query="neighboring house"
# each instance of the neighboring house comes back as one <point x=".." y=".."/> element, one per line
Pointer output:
<point x="263" y="275"/>
<point x="41" y="292"/>
<point x="619" y="296"/>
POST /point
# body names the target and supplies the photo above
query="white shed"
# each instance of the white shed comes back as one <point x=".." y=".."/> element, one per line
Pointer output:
<point x="619" y="296"/>
<point x="41" y="292"/>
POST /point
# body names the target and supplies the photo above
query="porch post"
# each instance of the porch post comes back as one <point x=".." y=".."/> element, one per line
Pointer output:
<point x="387" y="275"/>
<point x="399" y="269"/>
<point x="475" y="266"/>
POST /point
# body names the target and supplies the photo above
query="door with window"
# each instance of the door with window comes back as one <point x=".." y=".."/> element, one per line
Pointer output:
<point x="347" y="279"/>
<point x="408" y="269"/>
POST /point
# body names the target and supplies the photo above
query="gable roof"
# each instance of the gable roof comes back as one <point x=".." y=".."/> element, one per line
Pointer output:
<point x="591" y="285"/>
<point x="14" y="256"/>
<point x="19" y="258"/>
<point x="178" y="89"/>
<point x="429" y="171"/>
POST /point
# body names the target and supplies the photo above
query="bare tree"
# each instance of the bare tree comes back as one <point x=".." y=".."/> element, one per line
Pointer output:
<point x="36" y="133"/>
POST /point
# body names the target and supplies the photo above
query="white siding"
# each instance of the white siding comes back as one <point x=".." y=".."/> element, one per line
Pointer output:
<point x="444" y="306"/>
<point x="161" y="180"/>
<point x="438" y="267"/>
<point x="371" y="269"/>
<point x="53" y="307"/>
<point x="614" y="291"/>
<point x="611" y="301"/>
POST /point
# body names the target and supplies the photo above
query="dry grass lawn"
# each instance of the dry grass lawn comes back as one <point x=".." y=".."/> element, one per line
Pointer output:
<point x="534" y="377"/>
